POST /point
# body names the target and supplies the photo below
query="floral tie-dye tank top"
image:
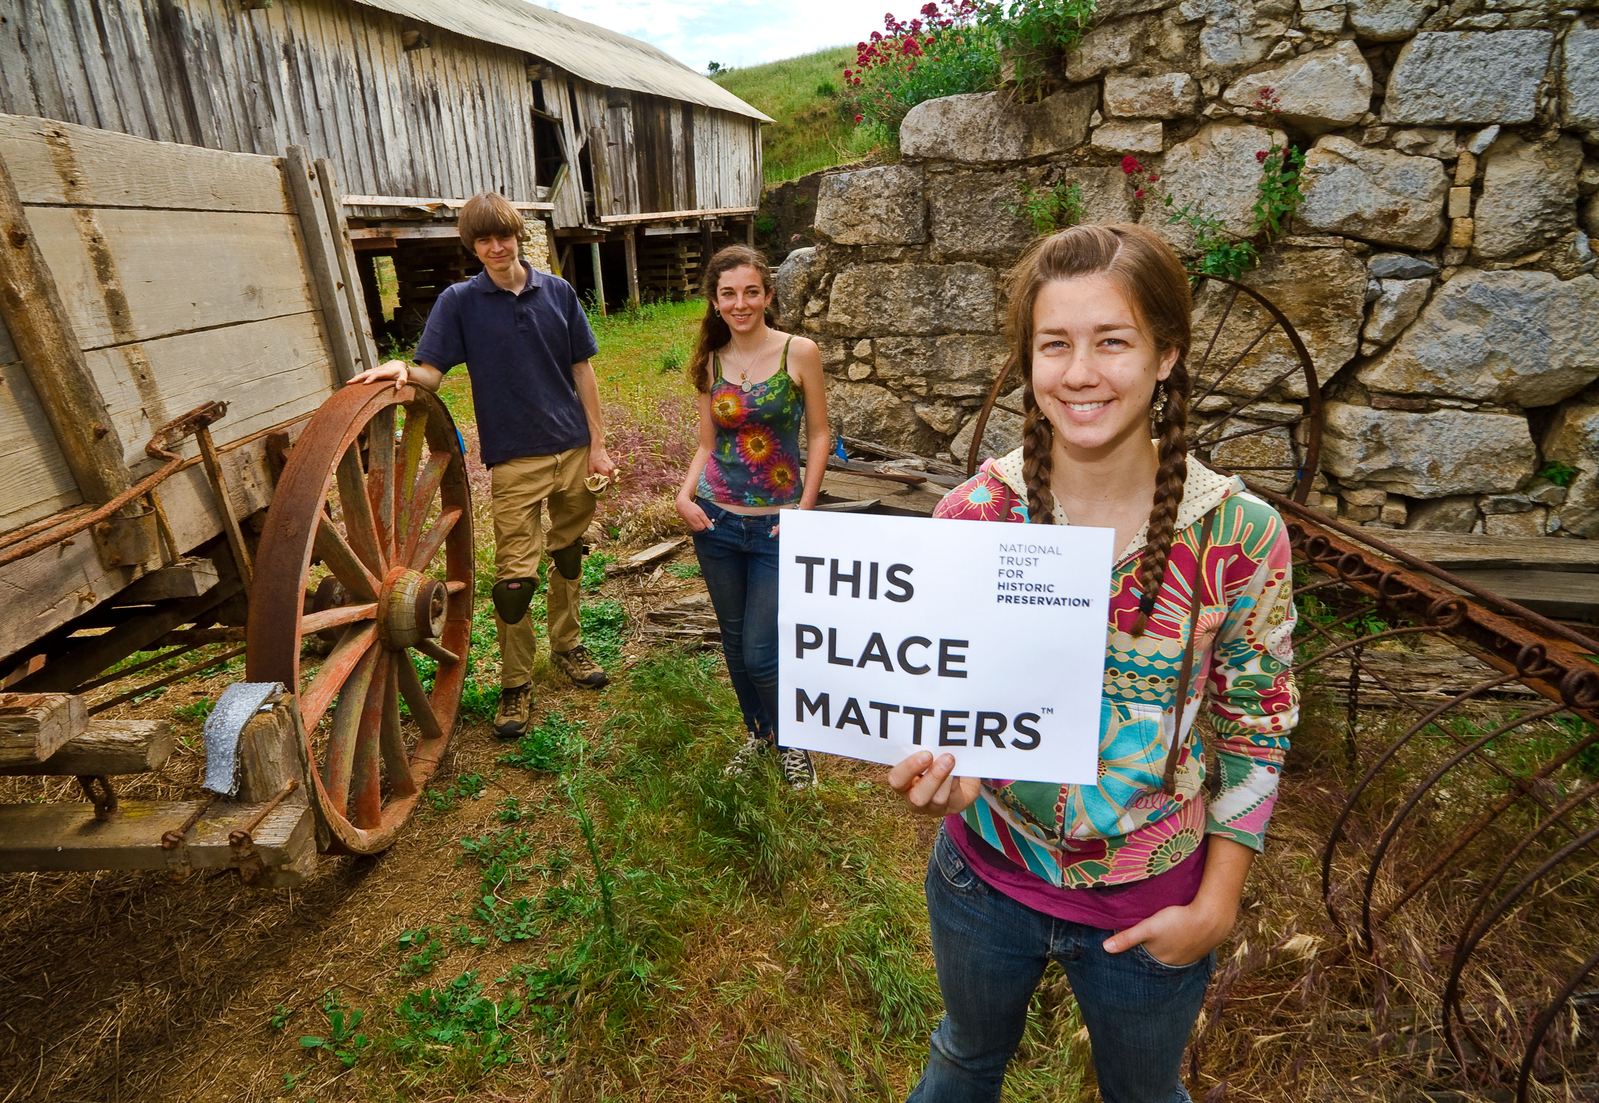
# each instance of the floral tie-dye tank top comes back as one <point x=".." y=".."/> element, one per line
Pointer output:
<point x="755" y="461"/>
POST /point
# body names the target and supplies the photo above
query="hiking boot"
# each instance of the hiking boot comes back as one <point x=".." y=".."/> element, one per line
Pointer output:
<point x="797" y="768"/>
<point x="515" y="712"/>
<point x="577" y="665"/>
<point x="747" y="757"/>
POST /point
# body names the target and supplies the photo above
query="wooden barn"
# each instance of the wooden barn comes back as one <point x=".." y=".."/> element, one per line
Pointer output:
<point x="633" y="165"/>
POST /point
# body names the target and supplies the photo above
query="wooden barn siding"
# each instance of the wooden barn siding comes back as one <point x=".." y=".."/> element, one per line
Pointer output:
<point x="450" y="120"/>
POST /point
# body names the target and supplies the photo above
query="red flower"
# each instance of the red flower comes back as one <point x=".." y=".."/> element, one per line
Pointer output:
<point x="1153" y="179"/>
<point x="1261" y="157"/>
<point x="1130" y="165"/>
<point x="860" y="118"/>
<point x="848" y="73"/>
<point x="1138" y="193"/>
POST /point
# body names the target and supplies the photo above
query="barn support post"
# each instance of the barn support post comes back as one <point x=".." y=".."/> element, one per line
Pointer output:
<point x="599" y="280"/>
<point x="630" y="247"/>
<point x="749" y="232"/>
<point x="705" y="243"/>
<point x="33" y="312"/>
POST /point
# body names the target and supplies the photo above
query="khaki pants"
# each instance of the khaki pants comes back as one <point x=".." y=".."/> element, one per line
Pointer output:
<point x="518" y="491"/>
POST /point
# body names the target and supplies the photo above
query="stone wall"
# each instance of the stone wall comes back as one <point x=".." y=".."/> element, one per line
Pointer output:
<point x="1440" y="269"/>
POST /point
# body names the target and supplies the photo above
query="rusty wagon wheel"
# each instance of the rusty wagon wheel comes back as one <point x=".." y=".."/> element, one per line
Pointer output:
<point x="392" y="523"/>
<point x="1256" y="403"/>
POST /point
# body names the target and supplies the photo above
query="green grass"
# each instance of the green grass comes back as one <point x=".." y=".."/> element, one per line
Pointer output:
<point x="813" y="129"/>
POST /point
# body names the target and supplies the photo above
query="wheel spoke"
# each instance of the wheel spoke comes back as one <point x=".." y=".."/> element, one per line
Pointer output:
<point x="415" y="511"/>
<point x="396" y="759"/>
<point x="413" y="441"/>
<point x="380" y="488"/>
<point x="434" y="649"/>
<point x="416" y="698"/>
<point x="1239" y="359"/>
<point x="344" y="735"/>
<point x="366" y="777"/>
<point x="346" y="566"/>
<point x="454" y="587"/>
<point x="334" y="672"/>
<point x="340" y="614"/>
<point x="359" y="525"/>
<point x="434" y="540"/>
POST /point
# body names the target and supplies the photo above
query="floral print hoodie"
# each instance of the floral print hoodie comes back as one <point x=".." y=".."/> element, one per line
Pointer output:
<point x="1125" y="828"/>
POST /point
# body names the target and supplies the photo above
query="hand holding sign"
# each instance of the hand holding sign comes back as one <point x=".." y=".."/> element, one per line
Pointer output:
<point x="983" y="640"/>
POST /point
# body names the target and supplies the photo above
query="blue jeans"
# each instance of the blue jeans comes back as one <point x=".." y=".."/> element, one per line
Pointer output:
<point x="991" y="953"/>
<point x="738" y="559"/>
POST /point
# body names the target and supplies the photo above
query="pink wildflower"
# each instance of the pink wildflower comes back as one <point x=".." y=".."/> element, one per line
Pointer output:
<point x="1130" y="165"/>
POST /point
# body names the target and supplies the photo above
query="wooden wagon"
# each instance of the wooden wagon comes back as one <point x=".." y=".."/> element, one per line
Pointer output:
<point x="185" y="468"/>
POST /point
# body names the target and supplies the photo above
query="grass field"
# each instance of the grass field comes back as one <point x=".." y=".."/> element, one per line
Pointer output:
<point x="814" y="125"/>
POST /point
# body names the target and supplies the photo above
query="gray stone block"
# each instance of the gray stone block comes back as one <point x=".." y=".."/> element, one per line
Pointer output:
<point x="876" y="206"/>
<point x="1373" y="194"/>
<point x="994" y="126"/>
<point x="1427" y="454"/>
<point x="1468" y="77"/>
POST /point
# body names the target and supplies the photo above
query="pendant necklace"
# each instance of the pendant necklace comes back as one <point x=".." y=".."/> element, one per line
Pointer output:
<point x="744" y="373"/>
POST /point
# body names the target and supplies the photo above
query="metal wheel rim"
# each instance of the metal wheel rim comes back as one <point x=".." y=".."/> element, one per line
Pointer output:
<point x="366" y="779"/>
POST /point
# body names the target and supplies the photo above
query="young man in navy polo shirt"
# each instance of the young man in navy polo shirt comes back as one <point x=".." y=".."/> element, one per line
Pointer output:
<point x="526" y="344"/>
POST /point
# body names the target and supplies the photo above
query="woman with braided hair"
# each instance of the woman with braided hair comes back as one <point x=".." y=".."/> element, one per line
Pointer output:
<point x="1131" y="883"/>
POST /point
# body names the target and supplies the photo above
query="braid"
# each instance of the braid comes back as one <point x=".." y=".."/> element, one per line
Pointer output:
<point x="1038" y="458"/>
<point x="1169" y="479"/>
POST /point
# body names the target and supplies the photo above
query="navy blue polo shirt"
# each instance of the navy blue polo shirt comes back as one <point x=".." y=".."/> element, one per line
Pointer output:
<point x="519" y="350"/>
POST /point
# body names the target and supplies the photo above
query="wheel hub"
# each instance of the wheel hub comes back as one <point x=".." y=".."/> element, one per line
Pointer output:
<point x="410" y="609"/>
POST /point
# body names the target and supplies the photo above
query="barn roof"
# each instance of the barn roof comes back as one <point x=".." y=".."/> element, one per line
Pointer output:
<point x="583" y="49"/>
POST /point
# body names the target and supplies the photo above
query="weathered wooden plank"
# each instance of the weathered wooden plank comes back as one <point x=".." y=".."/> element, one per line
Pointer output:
<point x="187" y="577"/>
<point x="363" y="87"/>
<point x="272" y="132"/>
<point x="125" y="72"/>
<point x="267" y="371"/>
<point x="54" y="163"/>
<point x="1565" y="594"/>
<point x="650" y="556"/>
<point x="135" y="275"/>
<point x="89" y="51"/>
<point x="16" y="91"/>
<point x="33" y="726"/>
<point x="322" y="260"/>
<point x="167" y="72"/>
<point x="1460" y="551"/>
<point x="331" y="62"/>
<point x="64" y="54"/>
<point x="68" y="837"/>
<point x="306" y="124"/>
<point x="106" y="748"/>
<point x="47" y="92"/>
<point x="46" y="342"/>
<point x="366" y="351"/>
<point x="382" y="82"/>
<point x="38" y="481"/>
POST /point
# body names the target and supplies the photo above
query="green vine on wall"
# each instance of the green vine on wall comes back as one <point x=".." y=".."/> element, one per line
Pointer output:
<point x="1050" y="207"/>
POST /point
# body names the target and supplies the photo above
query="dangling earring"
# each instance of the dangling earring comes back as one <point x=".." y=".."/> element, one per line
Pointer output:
<point x="1158" y="403"/>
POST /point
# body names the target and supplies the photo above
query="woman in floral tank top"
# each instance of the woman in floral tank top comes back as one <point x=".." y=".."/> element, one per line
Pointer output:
<point x="754" y="385"/>
<point x="1132" y="882"/>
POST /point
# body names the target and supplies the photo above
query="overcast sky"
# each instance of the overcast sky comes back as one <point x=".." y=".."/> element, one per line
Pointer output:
<point x="734" y="32"/>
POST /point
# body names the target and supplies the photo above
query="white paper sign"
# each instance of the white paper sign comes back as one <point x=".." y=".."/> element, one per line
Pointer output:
<point x="983" y="639"/>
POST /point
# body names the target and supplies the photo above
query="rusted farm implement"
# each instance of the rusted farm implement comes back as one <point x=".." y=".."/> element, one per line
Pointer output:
<point x="1488" y="744"/>
<point x="285" y="512"/>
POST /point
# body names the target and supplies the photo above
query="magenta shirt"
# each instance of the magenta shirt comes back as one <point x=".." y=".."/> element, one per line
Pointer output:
<point x="1108" y="907"/>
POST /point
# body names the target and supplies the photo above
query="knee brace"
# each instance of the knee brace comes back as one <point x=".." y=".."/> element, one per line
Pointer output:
<point x="512" y="596"/>
<point x="569" y="560"/>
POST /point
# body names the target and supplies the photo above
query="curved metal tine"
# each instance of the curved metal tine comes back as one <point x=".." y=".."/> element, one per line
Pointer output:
<point x="1337" y="833"/>
<point x="1232" y="299"/>
<point x="1546" y="1019"/>
<point x="1239" y="359"/>
<point x="1471" y="934"/>
<point x="1462" y="841"/>
<point x="1491" y="813"/>
<point x="1010" y="409"/>
<point x="1204" y="438"/>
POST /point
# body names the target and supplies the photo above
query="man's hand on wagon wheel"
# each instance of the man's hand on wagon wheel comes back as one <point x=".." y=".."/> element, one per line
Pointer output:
<point x="423" y="375"/>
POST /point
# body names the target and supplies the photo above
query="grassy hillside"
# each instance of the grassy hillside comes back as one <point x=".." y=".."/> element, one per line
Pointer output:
<point x="815" y="126"/>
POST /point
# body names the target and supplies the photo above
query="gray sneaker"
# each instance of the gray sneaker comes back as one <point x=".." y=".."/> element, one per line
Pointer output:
<point x="748" y="756"/>
<point x="797" y="768"/>
<point x="515" y="712"/>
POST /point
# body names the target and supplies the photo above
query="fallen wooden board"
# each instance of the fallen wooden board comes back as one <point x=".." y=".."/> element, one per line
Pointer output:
<point x="106" y="748"/>
<point x="646" y="558"/>
<point x="33" y="726"/>
<point x="38" y="837"/>
<point x="689" y="622"/>
<point x="1459" y="551"/>
<point x="1554" y="593"/>
<point x="1431" y="677"/>
<point x="892" y="497"/>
